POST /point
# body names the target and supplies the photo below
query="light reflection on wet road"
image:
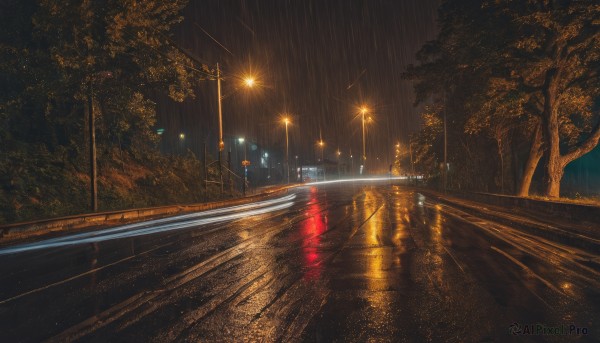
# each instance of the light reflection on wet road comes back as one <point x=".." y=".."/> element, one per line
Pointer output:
<point x="349" y="263"/>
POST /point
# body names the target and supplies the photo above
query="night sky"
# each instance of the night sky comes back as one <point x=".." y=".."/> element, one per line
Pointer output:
<point x="317" y="60"/>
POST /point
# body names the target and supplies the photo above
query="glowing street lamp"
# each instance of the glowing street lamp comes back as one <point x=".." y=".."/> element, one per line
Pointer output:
<point x="363" y="111"/>
<point x="339" y="153"/>
<point x="322" y="145"/>
<point x="287" y="121"/>
<point x="249" y="82"/>
<point x="241" y="140"/>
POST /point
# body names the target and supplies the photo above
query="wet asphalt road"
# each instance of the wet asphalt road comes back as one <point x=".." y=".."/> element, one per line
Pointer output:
<point x="347" y="263"/>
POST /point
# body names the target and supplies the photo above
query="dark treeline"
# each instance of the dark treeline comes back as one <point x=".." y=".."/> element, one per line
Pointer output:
<point x="58" y="59"/>
<point x="518" y="83"/>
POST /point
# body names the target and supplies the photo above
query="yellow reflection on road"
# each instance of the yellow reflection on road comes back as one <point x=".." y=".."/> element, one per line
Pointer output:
<point x="436" y="251"/>
<point x="378" y="262"/>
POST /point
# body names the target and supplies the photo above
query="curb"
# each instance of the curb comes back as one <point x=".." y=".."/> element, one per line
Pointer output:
<point x="556" y="233"/>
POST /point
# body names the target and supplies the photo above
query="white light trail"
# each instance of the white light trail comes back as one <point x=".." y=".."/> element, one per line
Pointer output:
<point x="367" y="179"/>
<point x="160" y="225"/>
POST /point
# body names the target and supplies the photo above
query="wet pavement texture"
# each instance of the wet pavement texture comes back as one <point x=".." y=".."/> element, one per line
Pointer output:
<point x="345" y="263"/>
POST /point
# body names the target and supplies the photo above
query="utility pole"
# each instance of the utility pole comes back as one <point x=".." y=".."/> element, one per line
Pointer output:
<point x="221" y="143"/>
<point x="351" y="164"/>
<point x="287" y="150"/>
<point x="364" y="154"/>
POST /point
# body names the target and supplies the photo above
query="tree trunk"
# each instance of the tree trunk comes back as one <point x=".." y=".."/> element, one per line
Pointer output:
<point x="535" y="153"/>
<point x="554" y="167"/>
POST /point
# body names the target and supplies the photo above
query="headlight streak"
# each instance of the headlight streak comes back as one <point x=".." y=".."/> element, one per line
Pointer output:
<point x="168" y="224"/>
<point x="371" y="179"/>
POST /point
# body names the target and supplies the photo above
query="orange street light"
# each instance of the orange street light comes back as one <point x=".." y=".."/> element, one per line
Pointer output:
<point x="363" y="111"/>
<point x="322" y="145"/>
<point x="249" y="81"/>
<point x="287" y="121"/>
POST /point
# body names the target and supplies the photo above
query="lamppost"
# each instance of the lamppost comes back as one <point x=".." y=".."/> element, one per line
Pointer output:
<point x="363" y="111"/>
<point x="296" y="169"/>
<point x="286" y="120"/>
<point x="241" y="140"/>
<point x="268" y="162"/>
<point x="339" y="153"/>
<point x="100" y="76"/>
<point x="221" y="143"/>
<point x="351" y="164"/>
<point x="322" y="145"/>
<point x="248" y="82"/>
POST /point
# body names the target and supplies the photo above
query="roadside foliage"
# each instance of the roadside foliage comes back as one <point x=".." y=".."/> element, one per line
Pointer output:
<point x="56" y="55"/>
<point x="520" y="86"/>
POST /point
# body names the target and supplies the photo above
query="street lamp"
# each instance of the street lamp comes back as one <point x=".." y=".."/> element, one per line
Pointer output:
<point x="268" y="162"/>
<point x="322" y="145"/>
<point x="241" y="140"/>
<point x="286" y="120"/>
<point x="296" y="169"/>
<point x="249" y="82"/>
<point x="363" y="111"/>
<point x="351" y="164"/>
<point x="339" y="153"/>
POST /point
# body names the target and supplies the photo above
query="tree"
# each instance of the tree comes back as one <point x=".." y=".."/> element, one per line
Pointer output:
<point x="423" y="144"/>
<point x="556" y="62"/>
<point x="527" y="64"/>
<point x="455" y="70"/>
<point x="52" y="57"/>
<point x="127" y="38"/>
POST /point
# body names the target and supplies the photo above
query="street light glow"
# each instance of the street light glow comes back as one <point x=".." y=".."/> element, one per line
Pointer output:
<point x="249" y="81"/>
<point x="241" y="140"/>
<point x="363" y="110"/>
<point x="286" y="121"/>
